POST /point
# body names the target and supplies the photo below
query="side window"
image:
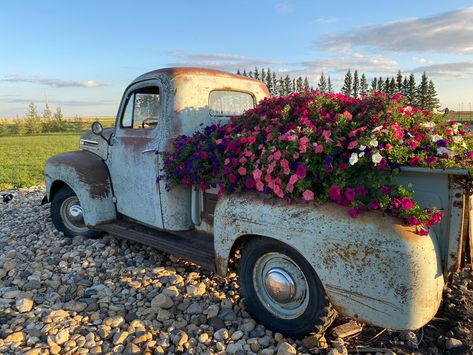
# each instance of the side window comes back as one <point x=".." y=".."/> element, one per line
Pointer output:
<point x="229" y="103"/>
<point x="142" y="108"/>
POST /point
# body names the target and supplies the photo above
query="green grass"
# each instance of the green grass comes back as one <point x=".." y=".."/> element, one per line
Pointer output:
<point x="22" y="159"/>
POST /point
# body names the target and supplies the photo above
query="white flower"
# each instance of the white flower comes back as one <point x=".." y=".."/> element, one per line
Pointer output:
<point x="436" y="137"/>
<point x="434" y="110"/>
<point x="455" y="127"/>
<point x="353" y="158"/>
<point x="377" y="129"/>
<point x="428" y="124"/>
<point x="376" y="158"/>
<point x="458" y="139"/>
<point x="443" y="150"/>
<point x="374" y="142"/>
<point x="362" y="147"/>
<point x="361" y="155"/>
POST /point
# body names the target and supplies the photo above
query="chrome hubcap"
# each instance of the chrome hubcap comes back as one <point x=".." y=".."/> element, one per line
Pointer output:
<point x="72" y="215"/>
<point x="279" y="285"/>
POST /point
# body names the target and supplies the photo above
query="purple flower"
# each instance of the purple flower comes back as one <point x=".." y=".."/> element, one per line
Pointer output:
<point x="328" y="160"/>
<point x="441" y="143"/>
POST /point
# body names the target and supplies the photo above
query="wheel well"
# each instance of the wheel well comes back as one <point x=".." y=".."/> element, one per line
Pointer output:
<point x="55" y="187"/>
<point x="238" y="244"/>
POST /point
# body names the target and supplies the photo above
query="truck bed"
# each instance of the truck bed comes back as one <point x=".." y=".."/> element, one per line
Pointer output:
<point x="194" y="246"/>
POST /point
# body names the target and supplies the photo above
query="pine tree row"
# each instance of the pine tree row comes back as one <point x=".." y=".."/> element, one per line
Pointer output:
<point x="278" y="86"/>
<point x="424" y="95"/>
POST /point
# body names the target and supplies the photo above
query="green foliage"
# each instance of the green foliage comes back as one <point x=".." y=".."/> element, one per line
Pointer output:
<point x="322" y="85"/>
<point x="347" y="84"/>
<point x="33" y="120"/>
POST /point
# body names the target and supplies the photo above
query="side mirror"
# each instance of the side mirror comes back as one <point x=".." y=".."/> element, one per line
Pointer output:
<point x="97" y="128"/>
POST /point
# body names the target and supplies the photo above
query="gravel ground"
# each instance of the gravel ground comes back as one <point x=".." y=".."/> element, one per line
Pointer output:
<point x="60" y="295"/>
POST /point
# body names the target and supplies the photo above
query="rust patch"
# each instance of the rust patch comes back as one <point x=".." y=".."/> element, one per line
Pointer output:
<point x="90" y="169"/>
<point x="221" y="265"/>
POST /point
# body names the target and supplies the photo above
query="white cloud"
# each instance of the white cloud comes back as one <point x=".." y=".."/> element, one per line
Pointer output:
<point x="228" y="62"/>
<point x="324" y="21"/>
<point x="449" y="32"/>
<point x="422" y="60"/>
<point x="56" y="83"/>
<point x="283" y="8"/>
<point x="459" y="70"/>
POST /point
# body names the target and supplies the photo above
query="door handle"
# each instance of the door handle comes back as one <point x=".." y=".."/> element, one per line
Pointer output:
<point x="148" y="151"/>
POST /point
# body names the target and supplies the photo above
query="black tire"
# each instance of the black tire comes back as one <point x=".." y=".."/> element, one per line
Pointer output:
<point x="65" y="199"/>
<point x="308" y="311"/>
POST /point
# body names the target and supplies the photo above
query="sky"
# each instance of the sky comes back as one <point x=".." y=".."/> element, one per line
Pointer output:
<point x="80" y="55"/>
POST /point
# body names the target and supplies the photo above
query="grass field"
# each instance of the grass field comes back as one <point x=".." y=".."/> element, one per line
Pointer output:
<point x="22" y="158"/>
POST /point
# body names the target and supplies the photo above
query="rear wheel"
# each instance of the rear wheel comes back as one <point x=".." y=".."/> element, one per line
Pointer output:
<point x="67" y="214"/>
<point x="282" y="290"/>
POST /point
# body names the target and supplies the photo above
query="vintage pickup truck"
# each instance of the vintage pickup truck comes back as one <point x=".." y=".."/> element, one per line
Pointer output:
<point x="299" y="264"/>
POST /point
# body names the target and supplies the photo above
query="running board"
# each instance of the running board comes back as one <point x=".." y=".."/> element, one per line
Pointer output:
<point x="193" y="246"/>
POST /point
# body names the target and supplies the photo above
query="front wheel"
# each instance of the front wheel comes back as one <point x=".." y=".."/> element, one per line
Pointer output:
<point x="282" y="290"/>
<point x="67" y="214"/>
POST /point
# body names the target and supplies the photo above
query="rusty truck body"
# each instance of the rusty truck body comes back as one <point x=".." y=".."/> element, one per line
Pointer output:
<point x="299" y="263"/>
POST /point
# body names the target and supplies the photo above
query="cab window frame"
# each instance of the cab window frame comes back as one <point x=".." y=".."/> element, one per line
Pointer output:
<point x="253" y="99"/>
<point x="132" y="94"/>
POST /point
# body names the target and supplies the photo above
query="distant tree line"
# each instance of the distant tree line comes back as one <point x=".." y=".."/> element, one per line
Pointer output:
<point x="34" y="123"/>
<point x="277" y="85"/>
<point x="422" y="95"/>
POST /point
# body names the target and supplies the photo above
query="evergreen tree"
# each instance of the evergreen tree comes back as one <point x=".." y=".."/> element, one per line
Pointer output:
<point x="405" y="86"/>
<point x="58" y="119"/>
<point x="411" y="90"/>
<point x="399" y="82"/>
<point x="256" y="74"/>
<point x="374" y="86"/>
<point x="363" y="85"/>
<point x="306" y="85"/>
<point x="293" y="89"/>
<point x="287" y="85"/>
<point x="329" y="85"/>
<point x="299" y="84"/>
<point x="392" y="87"/>
<point x="379" y="85"/>
<point x="322" y="85"/>
<point x="423" y="93"/>
<point x="263" y="75"/>
<point x="33" y="121"/>
<point x="250" y="74"/>
<point x="280" y="87"/>
<point x="347" y="84"/>
<point x="238" y="71"/>
<point x="268" y="80"/>
<point x="356" y="84"/>
<point x="386" y="86"/>
<point x="433" y="101"/>
<point x="244" y="72"/>
<point x="274" y="83"/>
<point x="47" y="119"/>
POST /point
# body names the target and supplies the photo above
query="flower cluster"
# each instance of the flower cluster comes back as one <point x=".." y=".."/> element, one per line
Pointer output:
<point x="323" y="147"/>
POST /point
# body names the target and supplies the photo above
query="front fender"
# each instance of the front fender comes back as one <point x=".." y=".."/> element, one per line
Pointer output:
<point x="373" y="268"/>
<point x="87" y="175"/>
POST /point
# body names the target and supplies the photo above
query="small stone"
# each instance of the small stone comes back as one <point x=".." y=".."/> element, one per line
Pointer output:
<point x="180" y="339"/>
<point x="194" y="308"/>
<point x="410" y="338"/>
<point x="221" y="334"/>
<point x="216" y="323"/>
<point x="267" y="351"/>
<point x="171" y="291"/>
<point x="338" y="350"/>
<point x="163" y="315"/>
<point x="120" y="337"/>
<point x="212" y="311"/>
<point x="196" y="290"/>
<point x="314" y="341"/>
<point x="16" y="337"/>
<point x="203" y="338"/>
<point x="227" y="314"/>
<point x="54" y="349"/>
<point x="114" y="322"/>
<point x="258" y="332"/>
<point x="62" y="336"/>
<point x="143" y="337"/>
<point x="133" y="349"/>
<point x="162" y="301"/>
<point x="453" y="343"/>
<point x="286" y="349"/>
<point x="35" y="351"/>
<point x="248" y="325"/>
<point x="75" y="306"/>
<point x="238" y="334"/>
<point x="220" y="346"/>
<point x="278" y="337"/>
<point x="9" y="265"/>
<point x="233" y="348"/>
<point x="347" y="329"/>
<point x="104" y="331"/>
<point x="24" y="305"/>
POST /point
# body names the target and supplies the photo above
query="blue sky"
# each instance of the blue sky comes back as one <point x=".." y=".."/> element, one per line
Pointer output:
<point x="80" y="55"/>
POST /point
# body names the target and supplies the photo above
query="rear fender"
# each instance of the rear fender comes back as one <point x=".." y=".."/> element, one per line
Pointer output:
<point x="87" y="175"/>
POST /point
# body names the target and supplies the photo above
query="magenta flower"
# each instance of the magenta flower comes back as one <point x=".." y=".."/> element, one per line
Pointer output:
<point x="407" y="203"/>
<point x="242" y="170"/>
<point x="349" y="194"/>
<point x="361" y="190"/>
<point x="334" y="192"/>
<point x="257" y="174"/>
<point x="249" y="183"/>
<point x="301" y="171"/>
<point x="232" y="178"/>
<point x="373" y="205"/>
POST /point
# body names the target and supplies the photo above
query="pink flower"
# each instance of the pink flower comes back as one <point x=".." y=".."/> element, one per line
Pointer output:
<point x="415" y="161"/>
<point x="277" y="155"/>
<point x="304" y="140"/>
<point x="259" y="185"/>
<point x="352" y="144"/>
<point x="353" y="212"/>
<point x="289" y="187"/>
<point x="308" y="195"/>
<point x="301" y="171"/>
<point x="278" y="191"/>
<point x="326" y="134"/>
<point x="348" y="115"/>
<point x="349" y="194"/>
<point x="422" y="232"/>
<point x="257" y="174"/>
<point x="374" y="205"/>
<point x="361" y="190"/>
<point x="284" y="163"/>
<point x="407" y="203"/>
<point x="293" y="179"/>
<point x="242" y="170"/>
<point x="319" y="148"/>
<point x="412" y="221"/>
<point x="249" y="183"/>
<point x="232" y="178"/>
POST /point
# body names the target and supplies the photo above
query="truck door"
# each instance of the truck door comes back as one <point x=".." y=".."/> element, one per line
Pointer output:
<point x="132" y="160"/>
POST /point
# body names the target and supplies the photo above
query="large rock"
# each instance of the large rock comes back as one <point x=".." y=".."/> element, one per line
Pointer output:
<point x="162" y="301"/>
<point x="24" y="305"/>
